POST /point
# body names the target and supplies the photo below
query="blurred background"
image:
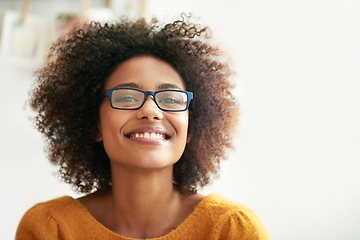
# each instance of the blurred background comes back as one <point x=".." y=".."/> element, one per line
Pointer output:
<point x="297" y="149"/>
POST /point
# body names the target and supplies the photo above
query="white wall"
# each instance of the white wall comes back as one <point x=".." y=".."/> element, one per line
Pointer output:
<point x="297" y="149"/>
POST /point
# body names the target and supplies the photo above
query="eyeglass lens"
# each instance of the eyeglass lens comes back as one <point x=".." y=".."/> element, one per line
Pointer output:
<point x="167" y="100"/>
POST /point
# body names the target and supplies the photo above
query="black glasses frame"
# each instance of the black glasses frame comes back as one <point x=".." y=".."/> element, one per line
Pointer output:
<point x="108" y="93"/>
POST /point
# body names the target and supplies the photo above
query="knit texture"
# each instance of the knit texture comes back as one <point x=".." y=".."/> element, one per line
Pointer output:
<point x="66" y="218"/>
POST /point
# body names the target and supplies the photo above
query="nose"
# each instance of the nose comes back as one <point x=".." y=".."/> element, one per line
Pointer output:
<point x="150" y="110"/>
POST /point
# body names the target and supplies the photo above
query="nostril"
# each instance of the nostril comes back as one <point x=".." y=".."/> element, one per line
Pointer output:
<point x="146" y="117"/>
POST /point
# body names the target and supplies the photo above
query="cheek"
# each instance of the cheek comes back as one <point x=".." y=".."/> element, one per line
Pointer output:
<point x="109" y="123"/>
<point x="182" y="124"/>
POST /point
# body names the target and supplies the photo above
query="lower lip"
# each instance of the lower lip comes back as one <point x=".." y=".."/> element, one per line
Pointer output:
<point x="148" y="140"/>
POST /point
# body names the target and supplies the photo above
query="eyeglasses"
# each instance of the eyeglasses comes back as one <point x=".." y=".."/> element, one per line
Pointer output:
<point x="132" y="99"/>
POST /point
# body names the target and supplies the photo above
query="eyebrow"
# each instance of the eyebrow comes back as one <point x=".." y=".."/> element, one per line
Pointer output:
<point x="128" y="85"/>
<point x="162" y="86"/>
<point x="168" y="86"/>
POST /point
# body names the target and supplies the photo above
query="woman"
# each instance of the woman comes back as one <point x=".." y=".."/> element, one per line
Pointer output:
<point x="137" y="116"/>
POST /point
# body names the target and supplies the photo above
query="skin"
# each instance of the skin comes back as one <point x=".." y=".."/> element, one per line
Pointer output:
<point x="143" y="203"/>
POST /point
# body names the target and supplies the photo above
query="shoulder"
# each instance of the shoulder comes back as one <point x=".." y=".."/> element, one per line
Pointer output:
<point x="231" y="220"/>
<point x="50" y="208"/>
<point x="44" y="216"/>
<point x="221" y="206"/>
<point x="45" y="208"/>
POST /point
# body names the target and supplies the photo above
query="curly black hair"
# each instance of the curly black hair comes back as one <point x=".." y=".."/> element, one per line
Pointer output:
<point x="67" y="87"/>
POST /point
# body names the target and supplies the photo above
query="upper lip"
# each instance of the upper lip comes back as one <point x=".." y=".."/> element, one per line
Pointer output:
<point x="148" y="129"/>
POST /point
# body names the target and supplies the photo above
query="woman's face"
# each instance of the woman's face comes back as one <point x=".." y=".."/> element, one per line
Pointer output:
<point x="148" y="137"/>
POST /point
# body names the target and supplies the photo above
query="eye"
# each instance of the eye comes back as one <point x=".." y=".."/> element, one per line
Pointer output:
<point x="125" y="99"/>
<point x="170" y="100"/>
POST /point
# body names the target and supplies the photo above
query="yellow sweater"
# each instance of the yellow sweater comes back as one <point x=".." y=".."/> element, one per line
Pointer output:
<point x="214" y="218"/>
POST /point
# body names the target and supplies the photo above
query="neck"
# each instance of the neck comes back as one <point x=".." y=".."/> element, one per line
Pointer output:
<point x="142" y="200"/>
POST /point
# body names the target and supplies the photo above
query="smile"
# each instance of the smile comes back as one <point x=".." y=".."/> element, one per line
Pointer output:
<point x="148" y="135"/>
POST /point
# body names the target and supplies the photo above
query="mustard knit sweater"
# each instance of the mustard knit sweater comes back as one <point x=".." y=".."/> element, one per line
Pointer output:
<point x="214" y="218"/>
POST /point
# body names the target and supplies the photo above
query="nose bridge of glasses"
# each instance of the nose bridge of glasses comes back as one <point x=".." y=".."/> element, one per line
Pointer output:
<point x="150" y="95"/>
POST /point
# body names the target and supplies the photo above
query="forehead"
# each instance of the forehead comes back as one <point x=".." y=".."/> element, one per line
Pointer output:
<point x="147" y="72"/>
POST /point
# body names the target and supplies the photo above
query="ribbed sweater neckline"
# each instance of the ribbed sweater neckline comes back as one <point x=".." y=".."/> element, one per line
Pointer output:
<point x="187" y="225"/>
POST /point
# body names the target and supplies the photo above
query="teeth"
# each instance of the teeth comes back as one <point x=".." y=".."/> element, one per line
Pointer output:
<point x="148" y="135"/>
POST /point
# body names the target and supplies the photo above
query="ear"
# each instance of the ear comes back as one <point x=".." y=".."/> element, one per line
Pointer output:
<point x="98" y="137"/>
